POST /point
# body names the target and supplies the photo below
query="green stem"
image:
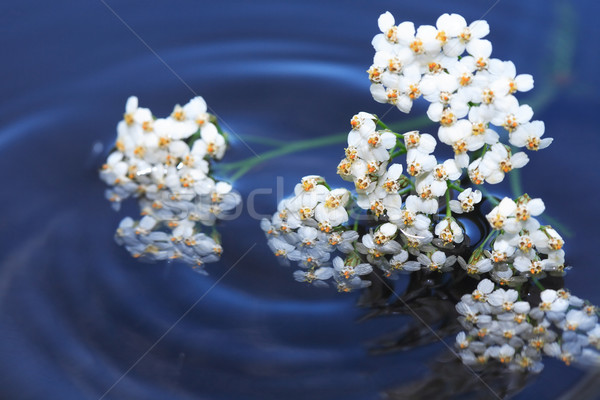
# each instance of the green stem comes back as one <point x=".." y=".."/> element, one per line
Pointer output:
<point x="515" y="183"/>
<point x="398" y="153"/>
<point x="381" y="124"/>
<point x="455" y="187"/>
<point x="263" y="140"/>
<point x="538" y="284"/>
<point x="448" y="210"/>
<point x="249" y="163"/>
<point x="485" y="149"/>
<point x="243" y="166"/>
<point x="488" y="196"/>
<point x="487" y="238"/>
<point x="405" y="190"/>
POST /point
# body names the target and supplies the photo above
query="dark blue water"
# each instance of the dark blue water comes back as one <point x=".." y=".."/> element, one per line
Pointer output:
<point x="77" y="312"/>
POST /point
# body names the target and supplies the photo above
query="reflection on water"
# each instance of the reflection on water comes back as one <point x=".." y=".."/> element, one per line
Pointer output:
<point x="77" y="312"/>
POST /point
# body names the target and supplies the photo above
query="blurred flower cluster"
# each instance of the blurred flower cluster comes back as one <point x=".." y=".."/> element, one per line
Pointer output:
<point x="165" y="163"/>
<point x="407" y="215"/>
<point x="518" y="332"/>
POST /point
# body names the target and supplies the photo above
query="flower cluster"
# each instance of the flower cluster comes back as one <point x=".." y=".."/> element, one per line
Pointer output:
<point x="308" y="227"/>
<point x="521" y="247"/>
<point x="404" y="216"/>
<point x="466" y="93"/>
<point x="165" y="164"/>
<point x="500" y="327"/>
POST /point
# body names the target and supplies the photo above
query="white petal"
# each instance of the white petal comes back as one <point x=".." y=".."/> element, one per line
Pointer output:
<point x="485" y="286"/>
<point x="385" y="21"/>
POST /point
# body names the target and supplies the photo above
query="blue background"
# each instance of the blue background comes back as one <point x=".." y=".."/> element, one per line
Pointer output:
<point x="76" y="312"/>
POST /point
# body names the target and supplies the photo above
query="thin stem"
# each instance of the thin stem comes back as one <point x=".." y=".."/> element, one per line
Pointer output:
<point x="243" y="166"/>
<point x="515" y="183"/>
<point x="455" y="187"/>
<point x="405" y="190"/>
<point x="448" y="210"/>
<point x="264" y="140"/>
<point x="487" y="238"/>
<point x="485" y="149"/>
<point x="249" y="163"/>
<point x="381" y="124"/>
<point x="398" y="153"/>
<point x="538" y="284"/>
<point x="488" y="196"/>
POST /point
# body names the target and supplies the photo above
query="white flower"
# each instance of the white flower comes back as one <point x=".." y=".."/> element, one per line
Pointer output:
<point x="526" y="209"/>
<point x="484" y="288"/>
<point x="409" y="218"/>
<point x="404" y="88"/>
<point x="507" y="74"/>
<point x="505" y="277"/>
<point x="479" y="119"/>
<point x="476" y="267"/>
<point x="308" y="193"/>
<point x="195" y="110"/>
<point x="499" y="161"/>
<point x="349" y="271"/>
<point x="364" y="123"/>
<point x="504" y="353"/>
<point x="315" y="277"/>
<point x="579" y="320"/>
<point x="374" y="251"/>
<point x="348" y="276"/>
<point x="418" y="163"/>
<point x="333" y="208"/>
<point x="399" y="264"/>
<point x="343" y="242"/>
<point x="427" y="199"/>
<point x="439" y="88"/>
<point x="174" y="127"/>
<point x="389" y="182"/>
<point x="461" y="341"/>
<point x="372" y="146"/>
<point x="466" y="201"/>
<point x="529" y="135"/>
<point x="552" y="302"/>
<point x="463" y="71"/>
<point x="547" y="240"/>
<point x="513" y="116"/>
<point x="532" y="267"/>
<point x="472" y="313"/>
<point x="449" y="231"/>
<point x="460" y="36"/>
<point x="215" y="142"/>
<point x="460" y="137"/>
<point x="502" y="249"/>
<point x="437" y="261"/>
<point x="491" y="94"/>
<point x="311" y="255"/>
<point x="503" y="299"/>
<point x="385" y="233"/>
<point x="500" y="214"/>
<point x="449" y="170"/>
<point x="422" y="142"/>
<point x="475" y="174"/>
